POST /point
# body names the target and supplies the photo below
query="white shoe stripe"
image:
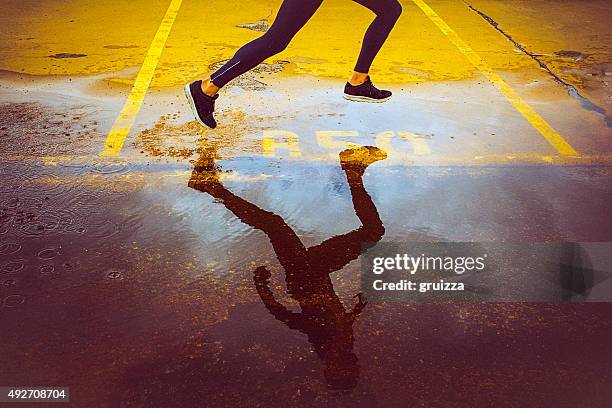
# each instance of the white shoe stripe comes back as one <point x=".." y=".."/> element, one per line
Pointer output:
<point x="365" y="98"/>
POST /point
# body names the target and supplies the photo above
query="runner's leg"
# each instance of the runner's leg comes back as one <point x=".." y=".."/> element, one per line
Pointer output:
<point x="387" y="13"/>
<point x="292" y="16"/>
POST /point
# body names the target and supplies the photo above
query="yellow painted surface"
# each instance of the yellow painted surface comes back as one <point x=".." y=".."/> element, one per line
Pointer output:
<point x="123" y="124"/>
<point x="113" y="34"/>
<point x="116" y="34"/>
<point x="550" y="30"/>
<point x="556" y="140"/>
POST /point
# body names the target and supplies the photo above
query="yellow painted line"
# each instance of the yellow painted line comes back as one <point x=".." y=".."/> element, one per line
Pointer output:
<point x="281" y="139"/>
<point x="123" y="124"/>
<point x="554" y="138"/>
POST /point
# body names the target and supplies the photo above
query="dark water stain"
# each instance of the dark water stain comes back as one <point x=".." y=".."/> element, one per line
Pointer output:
<point x="576" y="55"/>
<point x="588" y="105"/>
<point x="67" y="55"/>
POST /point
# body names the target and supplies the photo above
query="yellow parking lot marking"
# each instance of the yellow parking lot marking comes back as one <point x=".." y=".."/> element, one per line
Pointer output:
<point x="123" y="124"/>
<point x="281" y="139"/>
<point x="555" y="139"/>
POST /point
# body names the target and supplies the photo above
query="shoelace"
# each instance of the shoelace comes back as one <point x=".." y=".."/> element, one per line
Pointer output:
<point x="372" y="90"/>
<point x="211" y="107"/>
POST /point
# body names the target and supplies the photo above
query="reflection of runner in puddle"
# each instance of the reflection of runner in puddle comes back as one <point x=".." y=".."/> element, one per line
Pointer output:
<point x="323" y="318"/>
<point x="292" y="16"/>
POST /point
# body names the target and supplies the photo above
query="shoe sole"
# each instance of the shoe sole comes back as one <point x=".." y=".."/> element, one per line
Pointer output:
<point x="193" y="107"/>
<point x="365" y="99"/>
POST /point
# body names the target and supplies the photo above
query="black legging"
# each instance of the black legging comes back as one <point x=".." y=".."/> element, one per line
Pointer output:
<point x="292" y="16"/>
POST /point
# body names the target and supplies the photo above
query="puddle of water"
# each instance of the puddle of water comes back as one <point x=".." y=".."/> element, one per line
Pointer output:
<point x="212" y="262"/>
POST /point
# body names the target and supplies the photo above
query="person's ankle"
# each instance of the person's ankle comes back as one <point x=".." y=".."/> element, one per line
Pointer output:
<point x="358" y="78"/>
<point x="209" y="88"/>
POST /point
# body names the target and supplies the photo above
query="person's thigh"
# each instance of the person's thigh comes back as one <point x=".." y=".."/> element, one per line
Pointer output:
<point x="292" y="16"/>
<point x="378" y="6"/>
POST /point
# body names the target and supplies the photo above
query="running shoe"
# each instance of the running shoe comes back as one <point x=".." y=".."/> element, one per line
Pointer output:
<point x="365" y="92"/>
<point x="201" y="104"/>
<point x="205" y="169"/>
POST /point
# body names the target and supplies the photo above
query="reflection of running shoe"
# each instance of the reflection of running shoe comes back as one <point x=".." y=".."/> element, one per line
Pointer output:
<point x="201" y="104"/>
<point x="365" y="92"/>
<point x="205" y="175"/>
<point x="361" y="157"/>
